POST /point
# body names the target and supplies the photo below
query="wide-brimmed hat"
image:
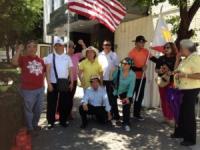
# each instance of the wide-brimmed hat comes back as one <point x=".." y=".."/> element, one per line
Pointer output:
<point x="128" y="61"/>
<point x="88" y="49"/>
<point x="140" y="38"/>
<point x="95" y="77"/>
<point x="58" y="40"/>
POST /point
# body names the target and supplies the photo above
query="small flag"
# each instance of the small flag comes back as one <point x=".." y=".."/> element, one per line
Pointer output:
<point x="162" y="35"/>
<point x="110" y="13"/>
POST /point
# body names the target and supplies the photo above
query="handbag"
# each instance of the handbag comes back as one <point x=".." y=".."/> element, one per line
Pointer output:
<point x="62" y="83"/>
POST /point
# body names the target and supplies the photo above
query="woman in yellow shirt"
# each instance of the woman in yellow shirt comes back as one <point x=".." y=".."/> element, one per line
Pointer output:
<point x="187" y="79"/>
<point x="89" y="66"/>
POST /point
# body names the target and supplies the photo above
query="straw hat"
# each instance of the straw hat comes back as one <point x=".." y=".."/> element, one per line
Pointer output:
<point x="89" y="49"/>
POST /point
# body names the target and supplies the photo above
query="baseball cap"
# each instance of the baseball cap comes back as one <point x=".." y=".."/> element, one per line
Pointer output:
<point x="58" y="40"/>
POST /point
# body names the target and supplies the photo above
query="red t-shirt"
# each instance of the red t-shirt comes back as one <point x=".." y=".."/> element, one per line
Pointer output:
<point x="32" y="72"/>
<point x="139" y="58"/>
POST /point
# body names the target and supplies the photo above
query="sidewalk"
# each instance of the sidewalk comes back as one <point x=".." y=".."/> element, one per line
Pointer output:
<point x="148" y="134"/>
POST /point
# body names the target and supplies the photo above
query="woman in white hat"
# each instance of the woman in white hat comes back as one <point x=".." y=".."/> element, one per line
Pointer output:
<point x="89" y="67"/>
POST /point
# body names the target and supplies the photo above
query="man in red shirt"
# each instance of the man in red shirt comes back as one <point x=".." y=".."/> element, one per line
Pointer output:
<point x="139" y="55"/>
<point x="32" y="82"/>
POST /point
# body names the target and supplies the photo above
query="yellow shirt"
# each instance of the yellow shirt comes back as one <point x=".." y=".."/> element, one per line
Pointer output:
<point x="89" y="69"/>
<point x="189" y="65"/>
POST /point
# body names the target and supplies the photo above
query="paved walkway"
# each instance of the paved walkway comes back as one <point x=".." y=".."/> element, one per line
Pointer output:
<point x="148" y="134"/>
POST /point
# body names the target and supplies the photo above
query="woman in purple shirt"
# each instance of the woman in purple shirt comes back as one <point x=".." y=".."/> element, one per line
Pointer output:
<point x="75" y="57"/>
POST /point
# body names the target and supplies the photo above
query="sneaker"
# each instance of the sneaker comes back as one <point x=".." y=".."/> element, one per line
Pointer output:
<point x="127" y="128"/>
<point x="50" y="126"/>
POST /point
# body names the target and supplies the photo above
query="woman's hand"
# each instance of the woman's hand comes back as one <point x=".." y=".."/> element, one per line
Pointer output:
<point x="179" y="75"/>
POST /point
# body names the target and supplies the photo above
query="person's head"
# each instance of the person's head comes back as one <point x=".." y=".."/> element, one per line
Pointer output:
<point x="70" y="47"/>
<point x="90" y="53"/>
<point x="140" y="41"/>
<point x="170" y="49"/>
<point x="31" y="47"/>
<point x="107" y="46"/>
<point x="127" y="63"/>
<point x="59" y="45"/>
<point x="95" y="82"/>
<point x="187" y="47"/>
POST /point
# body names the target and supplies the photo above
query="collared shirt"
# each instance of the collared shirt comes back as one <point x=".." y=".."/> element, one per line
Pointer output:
<point x="62" y="62"/>
<point x="108" y="62"/>
<point x="75" y="60"/>
<point x="126" y="84"/>
<point x="89" y="69"/>
<point x="189" y="65"/>
<point x="96" y="98"/>
<point x="139" y="58"/>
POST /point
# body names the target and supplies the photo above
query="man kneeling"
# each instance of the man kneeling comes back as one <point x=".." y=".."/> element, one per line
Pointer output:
<point x="95" y="102"/>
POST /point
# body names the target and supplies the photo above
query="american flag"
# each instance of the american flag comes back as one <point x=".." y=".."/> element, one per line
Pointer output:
<point x="107" y="12"/>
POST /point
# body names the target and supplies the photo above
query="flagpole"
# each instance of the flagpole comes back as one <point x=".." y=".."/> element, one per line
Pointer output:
<point x="68" y="27"/>
<point x="143" y="74"/>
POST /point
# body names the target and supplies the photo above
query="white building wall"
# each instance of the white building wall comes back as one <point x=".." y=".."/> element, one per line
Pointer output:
<point x="47" y="10"/>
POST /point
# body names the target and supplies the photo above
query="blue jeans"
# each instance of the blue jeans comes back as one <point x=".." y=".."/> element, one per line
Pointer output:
<point x="33" y="100"/>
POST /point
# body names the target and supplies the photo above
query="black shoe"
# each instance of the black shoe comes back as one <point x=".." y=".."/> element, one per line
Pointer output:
<point x="187" y="143"/>
<point x="64" y="125"/>
<point x="50" y="126"/>
<point x="174" y="136"/>
<point x="83" y="126"/>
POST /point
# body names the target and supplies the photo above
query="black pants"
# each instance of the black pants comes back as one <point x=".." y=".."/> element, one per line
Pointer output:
<point x="126" y="109"/>
<point x="64" y="104"/>
<point x="112" y="99"/>
<point x="72" y="93"/>
<point x="186" y="127"/>
<point x="138" y="103"/>
<point x="99" y="112"/>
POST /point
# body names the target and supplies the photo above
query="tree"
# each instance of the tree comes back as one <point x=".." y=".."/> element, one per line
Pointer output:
<point x="187" y="12"/>
<point x="18" y="21"/>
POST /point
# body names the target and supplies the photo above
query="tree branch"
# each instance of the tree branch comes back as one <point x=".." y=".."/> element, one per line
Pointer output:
<point x="193" y="9"/>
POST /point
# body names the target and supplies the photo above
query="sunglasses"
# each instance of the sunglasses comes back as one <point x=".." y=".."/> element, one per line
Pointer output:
<point x="107" y="45"/>
<point x="167" y="47"/>
<point x="125" y="63"/>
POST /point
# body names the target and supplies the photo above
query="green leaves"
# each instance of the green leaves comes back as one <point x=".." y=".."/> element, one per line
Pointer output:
<point x="18" y="17"/>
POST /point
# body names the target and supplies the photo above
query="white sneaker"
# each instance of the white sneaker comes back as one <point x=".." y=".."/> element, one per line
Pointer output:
<point x="127" y="128"/>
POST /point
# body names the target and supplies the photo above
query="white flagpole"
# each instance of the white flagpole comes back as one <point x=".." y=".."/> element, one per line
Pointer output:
<point x="143" y="75"/>
<point x="68" y="27"/>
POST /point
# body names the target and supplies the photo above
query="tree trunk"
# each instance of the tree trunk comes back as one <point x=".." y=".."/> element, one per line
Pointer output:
<point x="13" y="50"/>
<point x="7" y="53"/>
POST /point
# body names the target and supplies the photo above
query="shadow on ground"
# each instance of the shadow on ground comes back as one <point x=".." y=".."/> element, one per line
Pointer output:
<point x="148" y="134"/>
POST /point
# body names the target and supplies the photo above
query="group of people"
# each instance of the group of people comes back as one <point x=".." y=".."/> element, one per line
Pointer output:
<point x="105" y="80"/>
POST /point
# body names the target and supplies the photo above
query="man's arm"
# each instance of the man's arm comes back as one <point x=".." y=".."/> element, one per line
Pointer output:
<point x="85" y="100"/>
<point x="48" y="71"/>
<point x="107" y="105"/>
<point x="15" y="59"/>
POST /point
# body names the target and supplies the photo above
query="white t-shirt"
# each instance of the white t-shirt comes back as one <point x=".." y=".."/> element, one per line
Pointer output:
<point x="108" y="61"/>
<point x="63" y="62"/>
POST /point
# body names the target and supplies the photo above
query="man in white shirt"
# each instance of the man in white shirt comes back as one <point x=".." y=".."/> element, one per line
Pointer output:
<point x="95" y="102"/>
<point x="109" y="61"/>
<point x="63" y="66"/>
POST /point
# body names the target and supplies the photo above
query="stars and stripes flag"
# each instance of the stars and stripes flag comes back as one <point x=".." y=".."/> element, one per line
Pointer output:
<point x="162" y="35"/>
<point x="110" y="13"/>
